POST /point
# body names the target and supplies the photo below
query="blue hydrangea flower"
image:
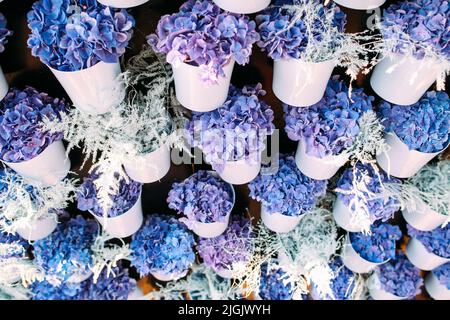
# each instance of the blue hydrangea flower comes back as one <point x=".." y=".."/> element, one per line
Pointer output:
<point x="442" y="273"/>
<point x="435" y="241"/>
<point x="275" y="284"/>
<point x="44" y="290"/>
<point x="8" y="239"/>
<point x="4" y="33"/>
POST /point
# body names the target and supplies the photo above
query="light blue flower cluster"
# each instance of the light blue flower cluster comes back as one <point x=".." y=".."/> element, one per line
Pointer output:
<point x="442" y="273"/>
<point x="70" y="35"/>
<point x="164" y="245"/>
<point x="4" y="33"/>
<point x="21" y="115"/>
<point x="287" y="191"/>
<point x="331" y="125"/>
<point x="202" y="34"/>
<point x="435" y="241"/>
<point x="275" y="284"/>
<point x="379" y="246"/>
<point x="424" y="126"/>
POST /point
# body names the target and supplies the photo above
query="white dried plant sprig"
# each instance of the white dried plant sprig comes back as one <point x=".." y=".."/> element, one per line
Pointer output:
<point x="20" y="207"/>
<point x="16" y="292"/>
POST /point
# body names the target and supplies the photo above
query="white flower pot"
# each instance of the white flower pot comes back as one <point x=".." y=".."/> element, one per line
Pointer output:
<point x="299" y="83"/>
<point x="378" y="293"/>
<point x="435" y="289"/>
<point x="317" y="168"/>
<point x="126" y="224"/>
<point x="353" y="261"/>
<point x="404" y="80"/>
<point x="150" y="167"/>
<point x="209" y="230"/>
<point x="49" y="167"/>
<point x="343" y="216"/>
<point x="241" y="171"/>
<point x="168" y="277"/>
<point x="225" y="273"/>
<point x="197" y="95"/>
<point x="136" y="294"/>
<point x="38" y="229"/>
<point x="94" y="90"/>
<point x="279" y="222"/>
<point x="122" y="3"/>
<point x="423" y="217"/>
<point x="77" y="278"/>
<point x="360" y="4"/>
<point x="242" y="6"/>
<point x="401" y="162"/>
<point x="4" y="87"/>
<point x="421" y="257"/>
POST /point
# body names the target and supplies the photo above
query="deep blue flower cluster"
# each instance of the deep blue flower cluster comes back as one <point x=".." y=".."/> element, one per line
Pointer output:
<point x="442" y="273"/>
<point x="424" y="126"/>
<point x="67" y="251"/>
<point x="331" y="125"/>
<point x="343" y="282"/>
<point x="164" y="245"/>
<point x="129" y="192"/>
<point x="287" y="191"/>
<point x="275" y="284"/>
<point x="435" y="241"/>
<point x="70" y="35"/>
<point x="204" y="35"/>
<point x="379" y="246"/>
<point x="9" y="238"/>
<point x="21" y="115"/>
<point x="4" y="33"/>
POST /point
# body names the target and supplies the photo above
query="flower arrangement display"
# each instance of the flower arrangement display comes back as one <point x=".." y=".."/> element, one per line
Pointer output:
<point x="437" y="282"/>
<point x="327" y="130"/>
<point x="363" y="252"/>
<point x="34" y="153"/>
<point x="124" y="217"/>
<point x="232" y="137"/>
<point x="66" y="255"/>
<point x="248" y="7"/>
<point x="428" y="249"/>
<point x="415" y="50"/>
<point x="4" y="34"/>
<point x="163" y="247"/>
<point x="205" y="201"/>
<point x="81" y="42"/>
<point x="202" y="42"/>
<point x="285" y="195"/>
<point x="31" y="209"/>
<point x="417" y="133"/>
<point x="230" y="251"/>
<point x="361" y="199"/>
<point x="275" y="284"/>
<point x="397" y="279"/>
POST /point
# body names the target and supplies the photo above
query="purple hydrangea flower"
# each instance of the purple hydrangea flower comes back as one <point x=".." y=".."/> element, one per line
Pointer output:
<point x="331" y="125"/>
<point x="275" y="284"/>
<point x="442" y="273"/>
<point x="202" y="34"/>
<point x="21" y="115"/>
<point x="287" y="191"/>
<point x="4" y="33"/>
<point x="164" y="245"/>
<point x="435" y="241"/>
<point x="379" y="208"/>
<point x="233" y="246"/>
<point x="400" y="277"/>
<point x="70" y="35"/>
<point x="127" y="196"/>
<point x="423" y="126"/>
<point x="234" y="131"/>
<point x="379" y="246"/>
<point x="202" y="197"/>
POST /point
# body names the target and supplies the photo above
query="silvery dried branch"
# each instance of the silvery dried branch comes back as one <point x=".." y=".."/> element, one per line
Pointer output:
<point x="24" y="202"/>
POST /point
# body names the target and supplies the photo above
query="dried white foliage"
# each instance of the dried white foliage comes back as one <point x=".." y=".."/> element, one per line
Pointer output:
<point x="17" y="292"/>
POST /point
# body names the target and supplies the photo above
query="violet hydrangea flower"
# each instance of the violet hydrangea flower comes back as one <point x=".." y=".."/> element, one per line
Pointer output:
<point x="21" y="115"/>
<point x="424" y="126"/>
<point x="435" y="241"/>
<point x="442" y="273"/>
<point x="275" y="284"/>
<point x="162" y="244"/>
<point x="287" y="191"/>
<point x="379" y="246"/>
<point x="202" y="197"/>
<point x="331" y="125"/>
<point x="4" y="33"/>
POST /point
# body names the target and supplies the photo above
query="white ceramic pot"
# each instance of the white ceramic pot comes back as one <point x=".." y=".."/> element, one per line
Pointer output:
<point x="77" y="278"/>
<point x="353" y="261"/>
<point x="360" y="4"/>
<point x="343" y="216"/>
<point x="404" y="80"/>
<point x="242" y="6"/>
<point x="317" y="168"/>
<point x="122" y="3"/>
<point x="421" y="257"/>
<point x="49" y="167"/>
<point x="299" y="83"/>
<point x="4" y="87"/>
<point x="435" y="289"/>
<point x="423" y="217"/>
<point x="38" y="229"/>
<point x="378" y="293"/>
<point x="240" y="171"/>
<point x="94" y="90"/>
<point x="401" y="162"/>
<point x="168" y="277"/>
<point x="126" y="224"/>
<point x="225" y="273"/>
<point x="279" y="222"/>
<point x="136" y="294"/>
<point x="197" y="95"/>
<point x="150" y="167"/>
